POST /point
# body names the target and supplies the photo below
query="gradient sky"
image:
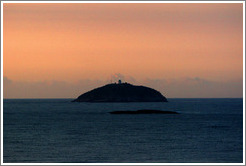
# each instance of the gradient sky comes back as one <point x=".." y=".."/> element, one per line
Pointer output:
<point x="169" y="47"/>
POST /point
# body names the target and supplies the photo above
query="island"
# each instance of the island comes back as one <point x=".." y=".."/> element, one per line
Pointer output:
<point x="144" y="112"/>
<point x="121" y="92"/>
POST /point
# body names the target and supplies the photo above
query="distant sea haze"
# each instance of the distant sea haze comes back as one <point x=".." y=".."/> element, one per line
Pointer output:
<point x="178" y="88"/>
<point x="61" y="131"/>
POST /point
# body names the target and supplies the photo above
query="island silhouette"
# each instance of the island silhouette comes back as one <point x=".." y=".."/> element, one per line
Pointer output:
<point x="146" y="111"/>
<point x="121" y="92"/>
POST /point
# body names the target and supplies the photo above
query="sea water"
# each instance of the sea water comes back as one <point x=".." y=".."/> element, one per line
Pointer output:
<point x="61" y="131"/>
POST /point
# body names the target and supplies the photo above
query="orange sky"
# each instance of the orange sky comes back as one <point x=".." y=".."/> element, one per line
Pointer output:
<point x="70" y="42"/>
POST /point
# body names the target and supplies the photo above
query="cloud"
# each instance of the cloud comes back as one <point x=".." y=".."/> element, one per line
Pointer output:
<point x="47" y="89"/>
<point x="197" y="88"/>
<point x="171" y="88"/>
<point x="6" y="81"/>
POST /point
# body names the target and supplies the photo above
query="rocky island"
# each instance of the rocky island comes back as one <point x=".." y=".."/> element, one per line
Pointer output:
<point x="121" y="92"/>
<point x="144" y="112"/>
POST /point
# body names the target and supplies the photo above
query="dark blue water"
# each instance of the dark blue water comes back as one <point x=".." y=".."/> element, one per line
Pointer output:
<point x="57" y="130"/>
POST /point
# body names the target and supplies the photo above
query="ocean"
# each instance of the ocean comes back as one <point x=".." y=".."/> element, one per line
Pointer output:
<point x="61" y="131"/>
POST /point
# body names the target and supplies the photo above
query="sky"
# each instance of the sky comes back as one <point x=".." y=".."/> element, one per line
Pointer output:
<point x="63" y="50"/>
